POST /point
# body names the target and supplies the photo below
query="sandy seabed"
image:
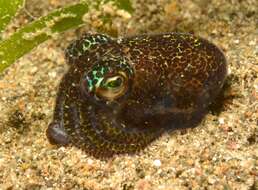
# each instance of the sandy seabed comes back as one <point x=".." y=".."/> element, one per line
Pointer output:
<point x="221" y="153"/>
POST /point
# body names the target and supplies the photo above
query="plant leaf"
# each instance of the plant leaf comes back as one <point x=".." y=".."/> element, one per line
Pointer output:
<point x="28" y="37"/>
<point x="125" y="5"/>
<point x="33" y="34"/>
<point x="8" y="9"/>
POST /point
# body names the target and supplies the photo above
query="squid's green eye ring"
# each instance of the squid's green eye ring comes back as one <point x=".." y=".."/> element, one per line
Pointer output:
<point x="114" y="82"/>
<point x="113" y="87"/>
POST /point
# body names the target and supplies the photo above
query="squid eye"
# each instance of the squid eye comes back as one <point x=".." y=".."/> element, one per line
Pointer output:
<point x="113" y="87"/>
<point x="114" y="82"/>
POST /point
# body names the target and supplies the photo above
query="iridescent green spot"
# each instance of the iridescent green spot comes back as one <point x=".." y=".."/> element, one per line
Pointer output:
<point x="90" y="85"/>
<point x="99" y="74"/>
<point x="85" y="46"/>
<point x="103" y="70"/>
<point x="94" y="73"/>
<point x="95" y="81"/>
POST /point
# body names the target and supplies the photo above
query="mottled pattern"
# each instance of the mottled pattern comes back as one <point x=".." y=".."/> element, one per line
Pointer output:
<point x="120" y="94"/>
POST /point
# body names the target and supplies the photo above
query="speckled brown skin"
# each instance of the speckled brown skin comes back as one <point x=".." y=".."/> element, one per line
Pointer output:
<point x="171" y="79"/>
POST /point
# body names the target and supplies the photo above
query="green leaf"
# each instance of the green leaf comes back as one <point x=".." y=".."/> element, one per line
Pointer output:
<point x="8" y="9"/>
<point x="24" y="40"/>
<point x="125" y="5"/>
<point x="33" y="34"/>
